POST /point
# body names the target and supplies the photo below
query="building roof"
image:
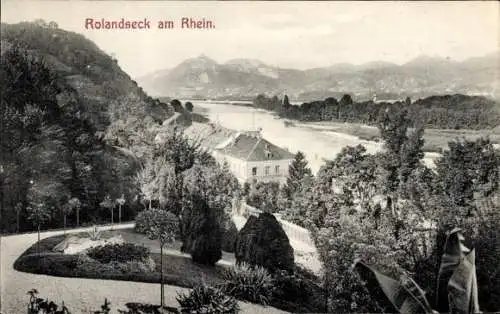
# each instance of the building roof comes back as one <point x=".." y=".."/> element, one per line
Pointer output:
<point x="251" y="146"/>
<point x="209" y="135"/>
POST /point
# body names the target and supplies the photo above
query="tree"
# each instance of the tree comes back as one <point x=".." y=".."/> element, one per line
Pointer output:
<point x="286" y="101"/>
<point x="264" y="196"/>
<point x="346" y="100"/>
<point x="189" y="106"/>
<point x="468" y="168"/>
<point x="66" y="209"/>
<point x="202" y="232"/>
<point x="149" y="176"/>
<point x="74" y="204"/>
<point x="393" y="126"/>
<point x="19" y="207"/>
<point x="177" y="105"/>
<point x="53" y="25"/>
<point x="229" y="236"/>
<point x="297" y="171"/>
<point x="164" y="231"/>
<point x="411" y="154"/>
<point x="263" y="242"/>
<point x="38" y="213"/>
<point x="353" y="172"/>
<point x="120" y="201"/>
<point x="181" y="154"/>
<point x="108" y="204"/>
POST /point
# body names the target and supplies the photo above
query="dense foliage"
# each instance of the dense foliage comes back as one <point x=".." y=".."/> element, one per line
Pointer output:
<point x="229" y="236"/>
<point x="39" y="305"/>
<point x="447" y="112"/>
<point x="147" y="220"/>
<point x="207" y="200"/>
<point x="456" y="285"/>
<point x="263" y="242"/>
<point x="202" y="232"/>
<point x="207" y="300"/>
<point x="253" y="284"/>
<point x="65" y="107"/>
<point x="297" y="292"/>
<point x="298" y="171"/>
<point x="266" y="196"/>
<point x="124" y="252"/>
<point x="391" y="210"/>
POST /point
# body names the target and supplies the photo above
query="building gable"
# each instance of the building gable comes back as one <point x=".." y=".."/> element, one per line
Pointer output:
<point x="251" y="147"/>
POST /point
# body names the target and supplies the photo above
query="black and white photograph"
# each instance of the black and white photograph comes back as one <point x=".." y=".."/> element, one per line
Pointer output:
<point x="249" y="157"/>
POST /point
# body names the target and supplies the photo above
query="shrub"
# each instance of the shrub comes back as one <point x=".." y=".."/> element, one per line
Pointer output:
<point x="264" y="195"/>
<point x="299" y="291"/>
<point x="144" y="308"/>
<point x="456" y="284"/>
<point x="86" y="265"/>
<point x="39" y="305"/>
<point x="207" y="300"/>
<point x="122" y="253"/>
<point x="54" y="265"/>
<point x="263" y="242"/>
<point x="146" y="220"/>
<point x="244" y="282"/>
<point x="202" y="232"/>
<point x="94" y="234"/>
<point x="229" y="236"/>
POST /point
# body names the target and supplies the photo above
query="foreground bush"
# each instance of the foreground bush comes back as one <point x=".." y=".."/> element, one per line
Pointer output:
<point x="142" y="308"/>
<point x="204" y="299"/>
<point x="263" y="242"/>
<point x="253" y="284"/>
<point x="122" y="253"/>
<point x="298" y="292"/>
<point x="38" y="305"/>
<point x="456" y="287"/>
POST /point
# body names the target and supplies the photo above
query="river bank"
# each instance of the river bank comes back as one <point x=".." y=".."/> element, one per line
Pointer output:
<point x="319" y="141"/>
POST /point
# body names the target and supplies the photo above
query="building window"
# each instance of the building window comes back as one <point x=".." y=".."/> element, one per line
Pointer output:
<point x="267" y="170"/>
<point x="277" y="169"/>
<point x="254" y="171"/>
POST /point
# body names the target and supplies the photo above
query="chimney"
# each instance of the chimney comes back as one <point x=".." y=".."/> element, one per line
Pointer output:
<point x="267" y="151"/>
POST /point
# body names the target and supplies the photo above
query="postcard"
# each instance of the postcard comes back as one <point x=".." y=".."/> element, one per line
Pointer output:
<point x="249" y="157"/>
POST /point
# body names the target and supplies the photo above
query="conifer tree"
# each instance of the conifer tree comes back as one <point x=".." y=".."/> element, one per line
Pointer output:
<point x="297" y="171"/>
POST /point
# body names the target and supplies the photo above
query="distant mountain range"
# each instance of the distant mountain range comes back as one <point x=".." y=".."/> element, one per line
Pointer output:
<point x="245" y="78"/>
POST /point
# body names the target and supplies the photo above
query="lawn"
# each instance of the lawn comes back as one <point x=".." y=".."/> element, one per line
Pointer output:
<point x="178" y="270"/>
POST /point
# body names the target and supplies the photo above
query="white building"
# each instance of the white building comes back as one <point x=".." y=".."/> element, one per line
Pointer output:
<point x="249" y="156"/>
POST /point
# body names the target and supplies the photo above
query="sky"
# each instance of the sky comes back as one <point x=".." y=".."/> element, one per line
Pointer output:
<point x="286" y="34"/>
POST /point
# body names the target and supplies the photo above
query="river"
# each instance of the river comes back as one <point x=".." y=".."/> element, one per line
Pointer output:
<point x="317" y="145"/>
